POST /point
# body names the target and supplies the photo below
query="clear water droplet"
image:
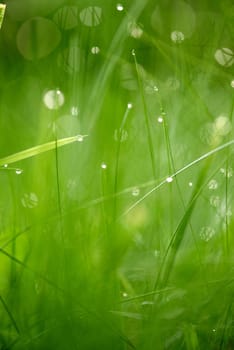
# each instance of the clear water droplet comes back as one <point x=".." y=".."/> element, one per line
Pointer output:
<point x="103" y="166"/>
<point x="129" y="105"/>
<point x="5" y="165"/>
<point x="53" y="99"/>
<point x="169" y="179"/>
<point x="119" y="7"/>
<point x="135" y="191"/>
<point x="29" y="200"/>
<point x="177" y="37"/>
<point x="18" y="171"/>
<point x="222" y="125"/>
<point x="133" y="52"/>
<point x="125" y="295"/>
<point x="160" y="119"/>
<point x="80" y="138"/>
<point x="207" y="233"/>
<point x="120" y="135"/>
<point x="232" y="83"/>
<point x="213" y="184"/>
<point x="95" y="50"/>
<point x="227" y="172"/>
<point x="190" y="184"/>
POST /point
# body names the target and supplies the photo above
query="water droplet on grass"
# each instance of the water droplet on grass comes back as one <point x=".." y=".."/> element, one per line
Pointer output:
<point x="103" y="166"/>
<point x="160" y="120"/>
<point x="95" y="50"/>
<point x="125" y="295"/>
<point x="74" y="110"/>
<point x="119" y="7"/>
<point x="135" y="191"/>
<point x="5" y="165"/>
<point x="207" y="233"/>
<point x="129" y="105"/>
<point x="227" y="172"/>
<point x="232" y="83"/>
<point x="80" y="138"/>
<point x="53" y="99"/>
<point x="133" y="52"/>
<point x="177" y="37"/>
<point x="190" y="184"/>
<point x="222" y="125"/>
<point x="169" y="179"/>
<point x="18" y="171"/>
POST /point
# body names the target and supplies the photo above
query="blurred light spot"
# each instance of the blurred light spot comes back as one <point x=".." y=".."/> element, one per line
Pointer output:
<point x="133" y="52"/>
<point x="37" y="38"/>
<point x="207" y="233"/>
<point x="214" y="330"/>
<point x="29" y="200"/>
<point x="135" y="191"/>
<point x="227" y="172"/>
<point x="66" y="17"/>
<point x="172" y="83"/>
<point x="2" y="13"/>
<point x="169" y="179"/>
<point x="215" y="201"/>
<point x="119" y="7"/>
<point x="129" y="105"/>
<point x="120" y="135"/>
<point x="135" y="30"/>
<point x="190" y="184"/>
<point x="53" y="99"/>
<point x="225" y="57"/>
<point x="95" y="50"/>
<point x="213" y="184"/>
<point x="177" y="37"/>
<point x="18" y="171"/>
<point x="160" y="119"/>
<point x="5" y="165"/>
<point x="232" y="83"/>
<point x="103" y="166"/>
<point x="91" y="16"/>
<point x="74" y="110"/>
<point x="222" y="125"/>
<point x="125" y="295"/>
<point x="146" y="302"/>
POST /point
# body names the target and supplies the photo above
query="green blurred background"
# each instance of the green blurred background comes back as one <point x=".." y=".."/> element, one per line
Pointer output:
<point x="124" y="239"/>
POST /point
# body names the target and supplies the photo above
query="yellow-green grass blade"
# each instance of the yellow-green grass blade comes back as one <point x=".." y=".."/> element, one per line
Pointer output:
<point x="36" y="150"/>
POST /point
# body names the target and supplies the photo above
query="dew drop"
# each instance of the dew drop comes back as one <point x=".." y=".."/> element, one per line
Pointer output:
<point x="18" y="171"/>
<point x="125" y="295"/>
<point x="29" y="200"/>
<point x="95" y="50"/>
<point x="5" y="165"/>
<point x="190" y="184"/>
<point x="119" y="7"/>
<point x="227" y="172"/>
<point x="160" y="119"/>
<point x="155" y="88"/>
<point x="80" y="138"/>
<point x="222" y="125"/>
<point x="169" y="179"/>
<point x="91" y="16"/>
<point x="103" y="166"/>
<point x="135" y="191"/>
<point x="206" y="233"/>
<point x="133" y="52"/>
<point x="213" y="184"/>
<point x="232" y="83"/>
<point x="53" y="99"/>
<point x="177" y="37"/>
<point x="129" y="105"/>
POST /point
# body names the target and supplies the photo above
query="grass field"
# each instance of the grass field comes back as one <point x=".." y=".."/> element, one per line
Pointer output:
<point x="116" y="175"/>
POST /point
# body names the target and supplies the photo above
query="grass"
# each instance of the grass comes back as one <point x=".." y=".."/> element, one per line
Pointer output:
<point x="124" y="239"/>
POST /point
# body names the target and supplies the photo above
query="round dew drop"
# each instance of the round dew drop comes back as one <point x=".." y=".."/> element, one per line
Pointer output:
<point x="95" y="50"/>
<point x="103" y="166"/>
<point x="169" y="179"/>
<point x="119" y="7"/>
<point x="177" y="37"/>
<point x="53" y="99"/>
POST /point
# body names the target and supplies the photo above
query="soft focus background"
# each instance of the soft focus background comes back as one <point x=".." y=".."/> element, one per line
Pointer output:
<point x="123" y="237"/>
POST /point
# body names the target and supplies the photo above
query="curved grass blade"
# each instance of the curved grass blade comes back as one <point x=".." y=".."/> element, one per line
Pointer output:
<point x="36" y="150"/>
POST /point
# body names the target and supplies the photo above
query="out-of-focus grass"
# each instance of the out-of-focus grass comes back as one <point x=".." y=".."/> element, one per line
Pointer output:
<point x="124" y="239"/>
